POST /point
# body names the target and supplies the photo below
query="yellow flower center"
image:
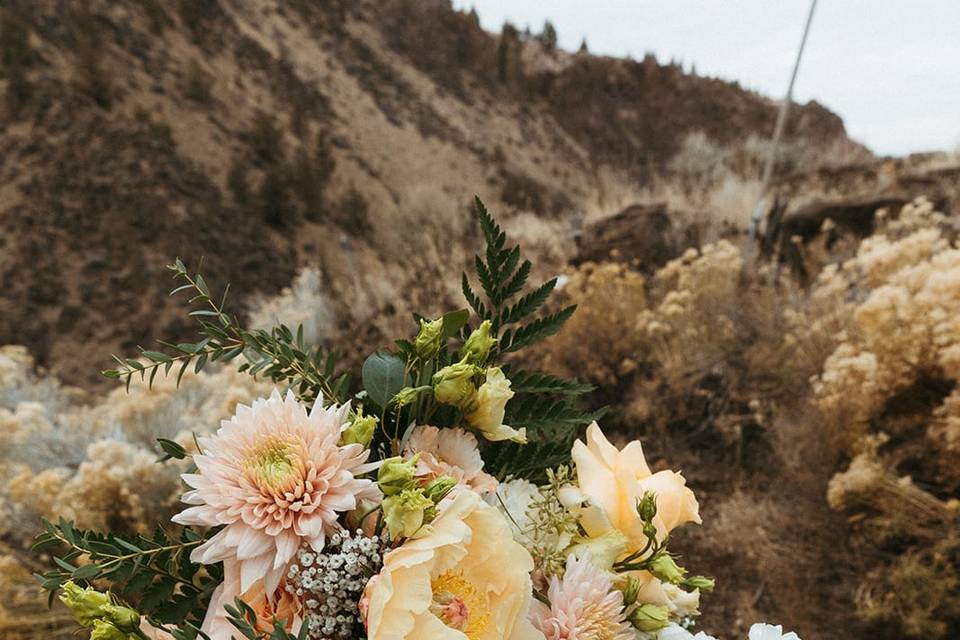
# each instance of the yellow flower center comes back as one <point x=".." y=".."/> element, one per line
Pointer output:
<point x="459" y="604"/>
<point x="271" y="464"/>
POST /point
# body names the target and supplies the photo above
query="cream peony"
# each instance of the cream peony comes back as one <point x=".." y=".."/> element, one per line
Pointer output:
<point x="449" y="452"/>
<point x="614" y="481"/>
<point x="466" y="579"/>
<point x="273" y="476"/>
<point x="491" y="405"/>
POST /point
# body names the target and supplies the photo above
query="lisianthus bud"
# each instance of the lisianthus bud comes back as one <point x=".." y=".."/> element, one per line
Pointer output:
<point x="647" y="506"/>
<point x="438" y="488"/>
<point x="650" y="617"/>
<point x="405" y="512"/>
<point x="478" y="345"/>
<point x="86" y="605"/>
<point x="396" y="474"/>
<point x="122" y="617"/>
<point x="491" y="406"/>
<point x="427" y="343"/>
<point x="454" y="385"/>
<point x="700" y="582"/>
<point x="360" y="431"/>
<point x="406" y="396"/>
<point x="103" y="630"/>
<point x="631" y="591"/>
<point x="664" y="567"/>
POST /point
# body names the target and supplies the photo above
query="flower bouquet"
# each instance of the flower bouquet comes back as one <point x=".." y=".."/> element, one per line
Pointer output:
<point x="449" y="494"/>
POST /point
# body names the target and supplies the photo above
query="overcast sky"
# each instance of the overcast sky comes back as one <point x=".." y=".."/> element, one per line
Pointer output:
<point x="890" y="68"/>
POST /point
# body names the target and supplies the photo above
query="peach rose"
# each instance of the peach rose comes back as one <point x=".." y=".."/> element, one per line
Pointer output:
<point x="614" y="481"/>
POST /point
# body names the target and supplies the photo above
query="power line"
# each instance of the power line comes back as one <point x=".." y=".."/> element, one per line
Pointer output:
<point x="760" y="207"/>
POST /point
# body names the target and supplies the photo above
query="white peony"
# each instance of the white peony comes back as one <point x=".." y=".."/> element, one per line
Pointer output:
<point x="676" y="632"/>
<point x="770" y="632"/>
<point x="513" y="498"/>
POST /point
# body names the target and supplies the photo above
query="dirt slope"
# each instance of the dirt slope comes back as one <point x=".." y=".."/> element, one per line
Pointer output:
<point x="264" y="135"/>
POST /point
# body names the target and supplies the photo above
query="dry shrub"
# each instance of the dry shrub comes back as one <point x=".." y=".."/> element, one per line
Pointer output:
<point x="699" y="329"/>
<point x="604" y="337"/>
<point x="902" y="298"/>
<point x="94" y="464"/>
<point x="304" y="303"/>
<point x="888" y="393"/>
<point x="97" y="464"/>
<point x="23" y="609"/>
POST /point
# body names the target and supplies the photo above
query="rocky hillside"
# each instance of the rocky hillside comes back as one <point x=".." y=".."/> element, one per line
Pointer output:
<point x="264" y="135"/>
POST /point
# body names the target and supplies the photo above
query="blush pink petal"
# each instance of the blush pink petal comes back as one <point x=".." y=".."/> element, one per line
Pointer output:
<point x="273" y="476"/>
<point x="450" y="452"/>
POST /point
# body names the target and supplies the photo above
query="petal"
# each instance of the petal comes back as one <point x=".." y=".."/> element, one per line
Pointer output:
<point x="254" y="569"/>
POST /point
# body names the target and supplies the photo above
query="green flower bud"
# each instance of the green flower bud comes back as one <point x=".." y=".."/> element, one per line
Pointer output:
<point x="438" y="488"/>
<point x="427" y="343"/>
<point x="86" y="605"/>
<point x="360" y="431"/>
<point x="631" y="591"/>
<point x="407" y="395"/>
<point x="406" y="512"/>
<point x="103" y="630"/>
<point x="664" y="567"/>
<point x="454" y="385"/>
<point x="478" y="345"/>
<point x="396" y="474"/>
<point x="122" y="617"/>
<point x="650" y="617"/>
<point x="700" y="582"/>
<point x="647" y="506"/>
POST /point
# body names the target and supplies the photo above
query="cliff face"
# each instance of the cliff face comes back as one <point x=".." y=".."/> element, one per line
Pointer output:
<point x="252" y="133"/>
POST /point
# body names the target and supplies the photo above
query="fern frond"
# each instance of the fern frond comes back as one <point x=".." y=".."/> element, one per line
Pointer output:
<point x="537" y="382"/>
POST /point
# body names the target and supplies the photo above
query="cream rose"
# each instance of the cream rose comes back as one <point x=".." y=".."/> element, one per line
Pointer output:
<point x="467" y="578"/>
<point x="613" y="481"/>
<point x="491" y="403"/>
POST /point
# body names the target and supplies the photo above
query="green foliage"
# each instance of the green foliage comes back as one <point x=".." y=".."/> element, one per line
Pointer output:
<point x="154" y="573"/>
<point x="502" y="276"/>
<point x="278" y="354"/>
<point x="534" y="382"/>
<point x="384" y="375"/>
<point x="529" y="461"/>
<point x="545" y="405"/>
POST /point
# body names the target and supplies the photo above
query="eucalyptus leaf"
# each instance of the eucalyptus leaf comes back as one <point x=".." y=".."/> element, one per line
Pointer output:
<point x="383" y="376"/>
